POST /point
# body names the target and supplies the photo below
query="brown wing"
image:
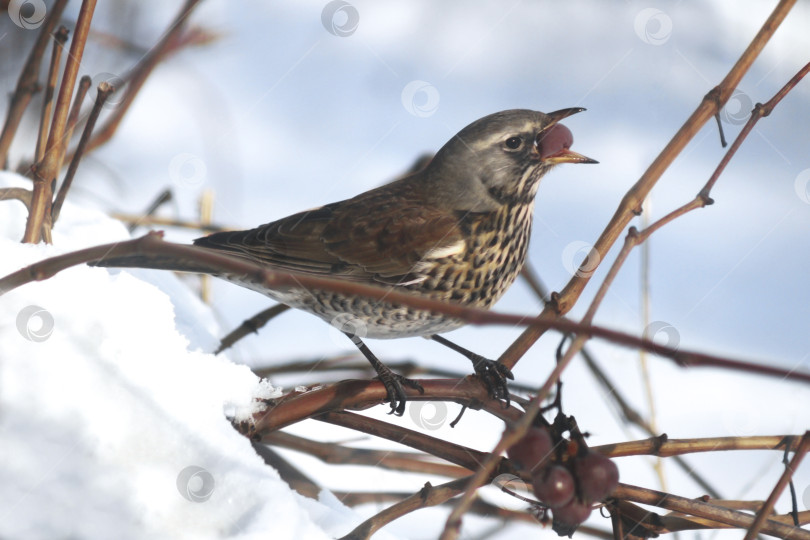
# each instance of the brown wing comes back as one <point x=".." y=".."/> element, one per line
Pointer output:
<point x="385" y="235"/>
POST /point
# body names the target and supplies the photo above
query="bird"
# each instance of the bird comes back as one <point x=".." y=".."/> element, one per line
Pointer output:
<point x="456" y="230"/>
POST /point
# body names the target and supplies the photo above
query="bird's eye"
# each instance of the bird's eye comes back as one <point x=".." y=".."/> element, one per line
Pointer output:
<point x="513" y="143"/>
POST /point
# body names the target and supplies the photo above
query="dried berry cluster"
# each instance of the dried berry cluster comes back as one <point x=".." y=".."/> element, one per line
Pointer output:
<point x="566" y="476"/>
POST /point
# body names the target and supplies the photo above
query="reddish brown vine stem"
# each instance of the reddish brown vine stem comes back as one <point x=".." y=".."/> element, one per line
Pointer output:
<point x="628" y="209"/>
<point x="104" y="91"/>
<point x="707" y="510"/>
<point x="631" y="203"/>
<point x="770" y="502"/>
<point x="38" y="225"/>
<point x="59" y="39"/>
<point x="136" y="78"/>
<point x="27" y="84"/>
<point x="217" y="263"/>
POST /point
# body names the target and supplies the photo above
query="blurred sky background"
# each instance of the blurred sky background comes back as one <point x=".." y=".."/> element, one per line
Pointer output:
<point x="298" y="104"/>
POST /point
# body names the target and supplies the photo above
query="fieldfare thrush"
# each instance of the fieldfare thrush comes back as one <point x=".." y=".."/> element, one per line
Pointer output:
<point x="457" y="230"/>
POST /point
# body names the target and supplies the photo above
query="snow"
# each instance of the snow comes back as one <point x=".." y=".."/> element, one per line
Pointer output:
<point x="114" y="417"/>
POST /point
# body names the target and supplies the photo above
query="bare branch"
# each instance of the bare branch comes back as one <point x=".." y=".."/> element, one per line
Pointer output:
<point x="426" y="497"/>
<point x="59" y="39"/>
<point x="150" y="248"/>
<point x="770" y="502"/>
<point x="27" y="84"/>
<point x="628" y="208"/>
<point x="707" y="510"/>
<point x="251" y="326"/>
<point x="104" y="91"/>
<point x="38" y="225"/>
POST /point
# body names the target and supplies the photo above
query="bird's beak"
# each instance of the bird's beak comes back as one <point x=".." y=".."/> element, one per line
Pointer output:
<point x="567" y="156"/>
<point x="556" y="116"/>
<point x="557" y="139"/>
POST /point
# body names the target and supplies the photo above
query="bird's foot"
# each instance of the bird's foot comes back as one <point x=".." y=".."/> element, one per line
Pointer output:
<point x="494" y="375"/>
<point x="394" y="388"/>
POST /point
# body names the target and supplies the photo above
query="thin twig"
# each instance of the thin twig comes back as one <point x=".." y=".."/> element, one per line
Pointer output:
<point x="707" y="510"/>
<point x="136" y="78"/>
<point x="163" y="197"/>
<point x="104" y="91"/>
<point x="627" y="411"/>
<point x="454" y="453"/>
<point x="251" y="326"/>
<point x="631" y="202"/>
<point x="426" y="497"/>
<point x="21" y="194"/>
<point x="357" y="363"/>
<point x="770" y="502"/>
<point x="59" y="39"/>
<point x="27" y="84"/>
<point x="758" y="112"/>
<point x="363" y="394"/>
<point x="336" y="453"/>
<point x="151" y="248"/>
<point x="703" y="198"/>
<point x="73" y="117"/>
<point x="627" y="210"/>
<point x="144" y="221"/>
<point x="664" y="447"/>
<point x="38" y="225"/>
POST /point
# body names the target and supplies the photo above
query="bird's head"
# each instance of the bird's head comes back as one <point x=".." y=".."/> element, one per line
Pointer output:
<point x="499" y="159"/>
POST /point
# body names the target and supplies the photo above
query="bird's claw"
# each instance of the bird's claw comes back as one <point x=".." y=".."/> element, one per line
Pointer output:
<point x="394" y="388"/>
<point x="494" y="375"/>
